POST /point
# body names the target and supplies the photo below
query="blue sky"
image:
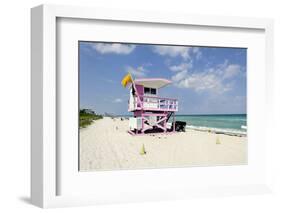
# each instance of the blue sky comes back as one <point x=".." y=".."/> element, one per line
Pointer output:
<point x="205" y="80"/>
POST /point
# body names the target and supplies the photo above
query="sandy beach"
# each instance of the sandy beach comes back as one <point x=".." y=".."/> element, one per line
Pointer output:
<point x="106" y="145"/>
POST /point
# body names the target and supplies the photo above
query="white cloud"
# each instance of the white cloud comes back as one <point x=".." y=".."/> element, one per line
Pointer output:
<point x="180" y="67"/>
<point x="212" y="79"/>
<point x="197" y="52"/>
<point x="173" y="51"/>
<point x="138" y="71"/>
<point x="116" y="48"/>
<point x="117" y="100"/>
<point x="202" y="82"/>
<point x="232" y="70"/>
<point x="179" y="76"/>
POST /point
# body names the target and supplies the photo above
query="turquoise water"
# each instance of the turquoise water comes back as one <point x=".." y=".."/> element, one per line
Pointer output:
<point x="226" y="123"/>
<point x="230" y="123"/>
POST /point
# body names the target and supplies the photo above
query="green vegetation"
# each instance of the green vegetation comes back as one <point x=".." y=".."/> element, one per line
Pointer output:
<point x="86" y="117"/>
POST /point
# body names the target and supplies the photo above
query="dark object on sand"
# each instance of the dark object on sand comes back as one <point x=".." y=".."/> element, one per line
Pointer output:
<point x="180" y="126"/>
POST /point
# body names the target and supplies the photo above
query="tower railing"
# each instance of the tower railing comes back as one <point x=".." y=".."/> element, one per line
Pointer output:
<point x="155" y="103"/>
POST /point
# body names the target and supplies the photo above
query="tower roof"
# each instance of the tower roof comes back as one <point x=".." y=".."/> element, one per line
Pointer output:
<point x="153" y="82"/>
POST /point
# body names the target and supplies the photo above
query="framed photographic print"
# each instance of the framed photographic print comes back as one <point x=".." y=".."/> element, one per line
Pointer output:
<point x="185" y="105"/>
<point x="149" y="106"/>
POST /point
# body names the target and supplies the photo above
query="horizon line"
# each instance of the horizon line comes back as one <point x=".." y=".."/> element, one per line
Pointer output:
<point x="198" y="114"/>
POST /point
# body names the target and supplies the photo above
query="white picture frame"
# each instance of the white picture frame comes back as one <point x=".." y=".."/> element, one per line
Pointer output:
<point x="44" y="153"/>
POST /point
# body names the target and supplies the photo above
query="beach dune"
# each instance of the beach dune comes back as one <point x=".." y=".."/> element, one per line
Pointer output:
<point x="106" y="145"/>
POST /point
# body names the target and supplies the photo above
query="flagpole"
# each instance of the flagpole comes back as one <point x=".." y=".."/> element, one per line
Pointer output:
<point x="134" y="86"/>
<point x="131" y="78"/>
<point x="133" y="83"/>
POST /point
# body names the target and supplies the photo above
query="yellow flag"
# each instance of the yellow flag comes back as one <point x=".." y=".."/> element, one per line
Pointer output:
<point x="126" y="80"/>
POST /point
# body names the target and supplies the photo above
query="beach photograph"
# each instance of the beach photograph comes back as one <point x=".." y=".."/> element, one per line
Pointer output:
<point x="151" y="106"/>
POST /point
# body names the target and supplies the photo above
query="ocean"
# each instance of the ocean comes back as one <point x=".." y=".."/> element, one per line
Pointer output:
<point x="224" y="123"/>
<point x="230" y="123"/>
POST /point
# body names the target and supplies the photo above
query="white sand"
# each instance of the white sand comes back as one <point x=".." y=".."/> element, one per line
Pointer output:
<point x="106" y="145"/>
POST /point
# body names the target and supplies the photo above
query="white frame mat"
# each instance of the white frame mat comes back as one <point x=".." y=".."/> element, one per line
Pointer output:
<point x="44" y="83"/>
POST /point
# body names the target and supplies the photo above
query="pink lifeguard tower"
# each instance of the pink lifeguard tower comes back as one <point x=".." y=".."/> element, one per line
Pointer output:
<point x="150" y="112"/>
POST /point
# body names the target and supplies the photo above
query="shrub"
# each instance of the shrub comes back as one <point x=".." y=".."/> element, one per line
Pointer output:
<point x="86" y="118"/>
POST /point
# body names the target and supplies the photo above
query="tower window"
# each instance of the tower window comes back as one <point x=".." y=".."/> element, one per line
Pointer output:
<point x="153" y="91"/>
<point x="146" y="90"/>
<point x="149" y="91"/>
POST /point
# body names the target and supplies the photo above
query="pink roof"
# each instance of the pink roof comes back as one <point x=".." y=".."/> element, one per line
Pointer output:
<point x="153" y="82"/>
